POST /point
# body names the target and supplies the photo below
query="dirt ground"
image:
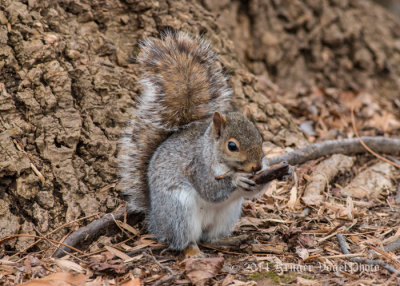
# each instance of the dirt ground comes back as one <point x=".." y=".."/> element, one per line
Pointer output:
<point x="67" y="84"/>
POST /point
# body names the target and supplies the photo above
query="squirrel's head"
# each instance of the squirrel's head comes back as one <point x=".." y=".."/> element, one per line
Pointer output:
<point x="239" y="142"/>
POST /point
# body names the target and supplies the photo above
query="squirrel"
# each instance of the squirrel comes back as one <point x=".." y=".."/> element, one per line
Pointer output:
<point x="187" y="156"/>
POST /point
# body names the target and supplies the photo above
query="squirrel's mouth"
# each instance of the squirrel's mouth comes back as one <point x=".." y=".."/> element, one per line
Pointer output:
<point x="252" y="168"/>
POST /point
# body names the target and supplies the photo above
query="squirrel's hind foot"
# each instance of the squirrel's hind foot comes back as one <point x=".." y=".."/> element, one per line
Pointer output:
<point x="193" y="251"/>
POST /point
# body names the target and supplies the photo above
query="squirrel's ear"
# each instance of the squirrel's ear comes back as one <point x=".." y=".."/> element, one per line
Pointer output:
<point x="219" y="121"/>
<point x="248" y="114"/>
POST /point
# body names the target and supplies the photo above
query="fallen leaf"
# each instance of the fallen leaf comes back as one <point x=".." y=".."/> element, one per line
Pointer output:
<point x="117" y="252"/>
<point x="59" y="279"/>
<point x="68" y="265"/>
<point x="302" y="252"/>
<point x="127" y="227"/>
<point x="199" y="270"/>
<point x="250" y="221"/>
<point x="132" y="282"/>
<point x="371" y="182"/>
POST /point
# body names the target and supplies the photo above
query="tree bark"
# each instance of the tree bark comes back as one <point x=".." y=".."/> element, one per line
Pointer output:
<point x="67" y="84"/>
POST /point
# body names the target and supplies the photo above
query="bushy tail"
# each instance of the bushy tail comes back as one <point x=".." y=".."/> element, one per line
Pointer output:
<point x="181" y="82"/>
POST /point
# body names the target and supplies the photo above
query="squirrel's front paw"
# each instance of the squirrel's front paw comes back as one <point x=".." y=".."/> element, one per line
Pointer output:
<point x="242" y="180"/>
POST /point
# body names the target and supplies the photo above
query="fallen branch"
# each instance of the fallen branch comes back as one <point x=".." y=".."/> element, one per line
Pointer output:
<point x="342" y="146"/>
<point x="345" y="250"/>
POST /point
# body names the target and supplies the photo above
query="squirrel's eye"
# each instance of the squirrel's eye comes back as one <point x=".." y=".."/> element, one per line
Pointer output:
<point x="232" y="146"/>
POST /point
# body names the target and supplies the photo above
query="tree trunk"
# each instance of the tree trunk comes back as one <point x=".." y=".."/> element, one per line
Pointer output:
<point x="67" y="85"/>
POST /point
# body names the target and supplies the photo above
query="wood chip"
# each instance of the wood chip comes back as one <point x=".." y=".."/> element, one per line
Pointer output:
<point x="276" y="248"/>
<point x="117" y="253"/>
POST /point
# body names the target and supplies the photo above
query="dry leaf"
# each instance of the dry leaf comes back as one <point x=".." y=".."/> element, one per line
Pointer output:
<point x="127" y="227"/>
<point x="252" y="221"/>
<point x="59" y="279"/>
<point x="371" y="182"/>
<point x="132" y="282"/>
<point x="199" y="270"/>
<point x="68" y="265"/>
<point x="117" y="252"/>
<point x="302" y="252"/>
<point x="134" y="258"/>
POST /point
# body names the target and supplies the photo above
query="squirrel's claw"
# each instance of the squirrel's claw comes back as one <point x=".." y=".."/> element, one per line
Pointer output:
<point x="242" y="181"/>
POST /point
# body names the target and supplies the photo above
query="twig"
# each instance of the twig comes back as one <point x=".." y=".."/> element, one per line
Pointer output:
<point x="343" y="255"/>
<point x="277" y="171"/>
<point x="220" y="177"/>
<point x="353" y="122"/>
<point x="36" y="236"/>
<point x="103" y="249"/>
<point x="171" y="275"/>
<point x="331" y="233"/>
<point x="158" y="263"/>
<point x="121" y="229"/>
<point x="51" y="232"/>
<point x="164" y="279"/>
<point x="345" y="250"/>
<point x="393" y="160"/>
<point x="141" y="250"/>
<point x="50" y="241"/>
<point x="385" y="254"/>
<point x="341" y="146"/>
<point x="393" y="246"/>
<point x="90" y="231"/>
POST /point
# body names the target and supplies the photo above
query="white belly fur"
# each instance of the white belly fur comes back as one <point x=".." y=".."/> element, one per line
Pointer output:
<point x="216" y="220"/>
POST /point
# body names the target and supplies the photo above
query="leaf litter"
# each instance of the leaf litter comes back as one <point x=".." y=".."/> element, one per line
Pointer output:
<point x="292" y="234"/>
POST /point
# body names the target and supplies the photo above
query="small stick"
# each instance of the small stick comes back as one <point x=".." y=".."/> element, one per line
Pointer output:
<point x="171" y="275"/>
<point x="345" y="250"/>
<point x="343" y="255"/>
<point x="277" y="171"/>
<point x="384" y="254"/>
<point x="220" y="177"/>
<point x="51" y="232"/>
<point x="50" y="241"/>
<point x="36" y="236"/>
<point x="353" y="122"/>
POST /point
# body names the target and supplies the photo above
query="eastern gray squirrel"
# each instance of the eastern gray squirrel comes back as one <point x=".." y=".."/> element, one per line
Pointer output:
<point x="187" y="157"/>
